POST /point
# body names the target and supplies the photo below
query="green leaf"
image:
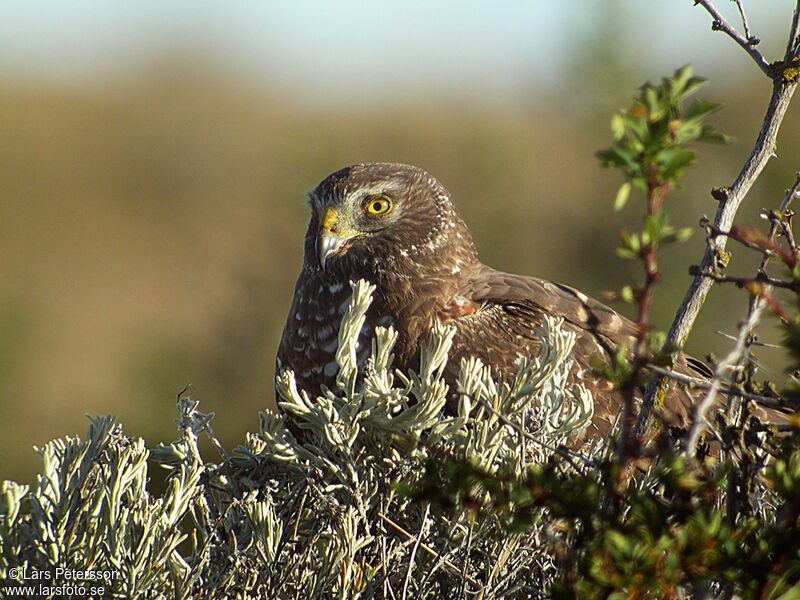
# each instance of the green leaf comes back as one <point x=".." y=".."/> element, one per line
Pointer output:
<point x="714" y="137"/>
<point x="700" y="108"/>
<point x="677" y="237"/>
<point x="626" y="155"/>
<point x="662" y="218"/>
<point x="638" y="127"/>
<point x="653" y="104"/>
<point x="657" y="338"/>
<point x="682" y="76"/>
<point x="617" y="126"/>
<point x="694" y="84"/>
<point x="626" y="294"/>
<point x="652" y="230"/>
<point x="618" y="543"/>
<point x="792" y="594"/>
<point x="630" y="244"/>
<point x="673" y="162"/>
<point x="640" y="183"/>
<point x="623" y="194"/>
<point x="608" y="158"/>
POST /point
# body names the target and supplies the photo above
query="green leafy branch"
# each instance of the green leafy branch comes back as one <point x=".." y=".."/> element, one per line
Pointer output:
<point x="651" y="147"/>
<point x="651" y="138"/>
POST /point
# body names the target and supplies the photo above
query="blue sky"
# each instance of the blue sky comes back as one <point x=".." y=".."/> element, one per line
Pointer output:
<point x="333" y="49"/>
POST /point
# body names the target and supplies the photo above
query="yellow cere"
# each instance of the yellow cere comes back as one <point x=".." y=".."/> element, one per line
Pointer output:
<point x="329" y="218"/>
<point x="379" y="206"/>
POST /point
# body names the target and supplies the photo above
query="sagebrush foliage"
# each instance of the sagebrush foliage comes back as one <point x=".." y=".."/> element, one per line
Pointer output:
<point x="328" y="517"/>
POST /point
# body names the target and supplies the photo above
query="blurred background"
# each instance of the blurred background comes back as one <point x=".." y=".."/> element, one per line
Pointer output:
<point x="154" y="159"/>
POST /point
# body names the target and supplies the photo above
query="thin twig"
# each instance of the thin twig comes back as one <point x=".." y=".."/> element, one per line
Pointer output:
<point x="745" y="25"/>
<point x="705" y="384"/>
<point x="418" y="541"/>
<point x="786" y="230"/>
<point x="720" y="24"/>
<point x="466" y="550"/>
<point x="713" y="232"/>
<point x="722" y="368"/>
<point x="745" y="281"/>
<point x="754" y="343"/>
<point x="779" y="219"/>
<point x="791" y="194"/>
<point x="793" y="45"/>
<point x="649" y="255"/>
<point x="429" y="550"/>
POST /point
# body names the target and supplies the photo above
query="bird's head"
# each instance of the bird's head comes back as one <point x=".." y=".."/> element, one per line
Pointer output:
<point x="384" y="217"/>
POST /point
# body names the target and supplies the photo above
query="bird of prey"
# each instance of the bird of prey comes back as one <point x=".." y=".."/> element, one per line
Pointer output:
<point x="396" y="226"/>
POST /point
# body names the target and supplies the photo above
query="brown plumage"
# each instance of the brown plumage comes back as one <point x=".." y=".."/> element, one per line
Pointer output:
<point x="396" y="226"/>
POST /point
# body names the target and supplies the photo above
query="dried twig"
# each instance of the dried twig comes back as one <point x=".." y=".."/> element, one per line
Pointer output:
<point x="705" y="384"/>
<point x="753" y="41"/>
<point x="747" y="43"/>
<point x="755" y="342"/>
<point x="720" y="372"/>
<point x="746" y="281"/>
<point x="777" y="221"/>
<point x="413" y="555"/>
<point x="793" y="45"/>
<point x="712" y="231"/>
<point x="762" y="152"/>
<point x="428" y="549"/>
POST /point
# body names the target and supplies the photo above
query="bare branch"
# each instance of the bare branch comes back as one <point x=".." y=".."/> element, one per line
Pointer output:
<point x="779" y="219"/>
<point x="753" y="41"/>
<point x="749" y="43"/>
<point x="775" y="223"/>
<point x="787" y="232"/>
<point x="411" y="558"/>
<point x="745" y="281"/>
<point x="705" y="384"/>
<point x="776" y="218"/>
<point x="712" y="232"/>
<point x="763" y="150"/>
<point x="720" y="372"/>
<point x="755" y="342"/>
<point x="793" y="45"/>
<point x="427" y="548"/>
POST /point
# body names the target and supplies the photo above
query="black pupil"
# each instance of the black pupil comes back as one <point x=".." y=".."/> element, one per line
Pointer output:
<point x="377" y="206"/>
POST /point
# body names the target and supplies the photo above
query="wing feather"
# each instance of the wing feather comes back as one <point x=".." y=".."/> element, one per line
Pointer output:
<point x="599" y="329"/>
<point x="495" y="287"/>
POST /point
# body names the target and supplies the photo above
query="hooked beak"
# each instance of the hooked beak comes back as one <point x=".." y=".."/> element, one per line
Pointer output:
<point x="332" y="239"/>
<point x="327" y="245"/>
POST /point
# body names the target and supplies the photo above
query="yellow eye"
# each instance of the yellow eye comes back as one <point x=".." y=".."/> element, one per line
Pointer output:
<point x="378" y="206"/>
